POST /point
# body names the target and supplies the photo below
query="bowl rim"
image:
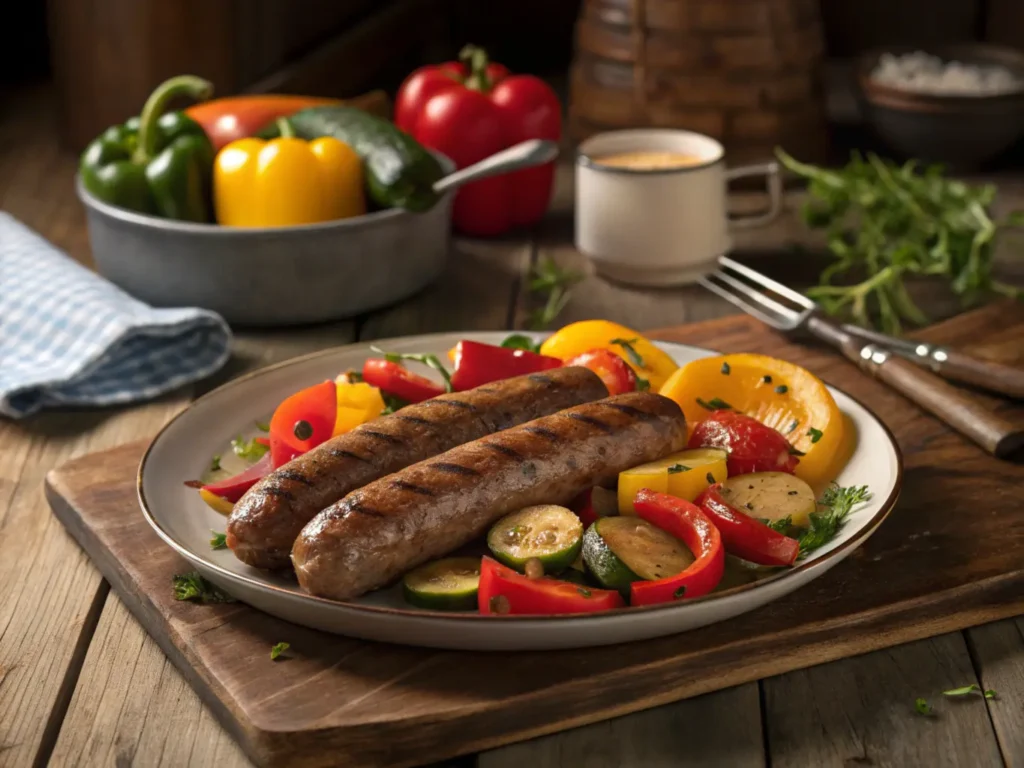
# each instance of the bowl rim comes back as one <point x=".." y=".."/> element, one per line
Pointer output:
<point x="136" y="218"/>
<point x="978" y="51"/>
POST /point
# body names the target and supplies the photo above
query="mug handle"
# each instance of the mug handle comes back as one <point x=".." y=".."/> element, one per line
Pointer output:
<point x="773" y="180"/>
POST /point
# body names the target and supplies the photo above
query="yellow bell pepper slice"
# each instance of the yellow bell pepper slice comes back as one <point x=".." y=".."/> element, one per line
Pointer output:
<point x="215" y="502"/>
<point x="684" y="475"/>
<point x="777" y="393"/>
<point x="287" y="181"/>
<point x="577" y="338"/>
<point x="358" y="403"/>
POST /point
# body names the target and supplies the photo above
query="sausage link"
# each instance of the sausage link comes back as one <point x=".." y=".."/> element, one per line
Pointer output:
<point x="377" y="533"/>
<point x="266" y="520"/>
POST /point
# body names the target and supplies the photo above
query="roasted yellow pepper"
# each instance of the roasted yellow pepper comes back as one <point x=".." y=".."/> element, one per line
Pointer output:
<point x="287" y="181"/>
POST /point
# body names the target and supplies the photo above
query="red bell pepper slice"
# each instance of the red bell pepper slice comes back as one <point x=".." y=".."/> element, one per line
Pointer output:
<point x="751" y="445"/>
<point x="477" y="364"/>
<point x="396" y="380"/>
<point x="233" y="488"/>
<point x="686" y="522"/>
<point x="503" y="590"/>
<point x="616" y="374"/>
<point x="303" y="421"/>
<point x="744" y="536"/>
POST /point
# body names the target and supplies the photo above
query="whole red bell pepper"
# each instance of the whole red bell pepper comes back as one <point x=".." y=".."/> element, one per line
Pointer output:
<point x="477" y="364"/>
<point x="504" y="591"/>
<point x="744" y="536"/>
<point x="471" y="109"/>
<point x="395" y="379"/>
<point x="303" y="421"/>
<point x="686" y="522"/>
<point x="751" y="445"/>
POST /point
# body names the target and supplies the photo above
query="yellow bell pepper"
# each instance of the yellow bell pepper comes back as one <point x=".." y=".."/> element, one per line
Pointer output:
<point x="287" y="181"/>
<point x="358" y="403"/>
<point x="685" y="475"/>
<point x="215" y="502"/>
<point x="577" y="338"/>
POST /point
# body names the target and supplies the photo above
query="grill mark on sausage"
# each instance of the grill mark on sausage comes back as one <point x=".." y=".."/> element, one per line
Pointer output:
<point x="454" y="469"/>
<point x="512" y="453"/>
<point x="414" y="420"/>
<point x="362" y="509"/>
<point x="542" y="432"/>
<point x="281" y="493"/>
<point x="629" y="410"/>
<point x="341" y="453"/>
<point x="412" y="488"/>
<point x="454" y="403"/>
<point x="591" y="421"/>
<point x="294" y="474"/>
<point x="389" y="439"/>
<point x="540" y="378"/>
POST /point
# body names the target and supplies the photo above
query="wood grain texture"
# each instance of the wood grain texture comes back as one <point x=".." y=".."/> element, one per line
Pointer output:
<point x="384" y="705"/>
<point x="997" y="650"/>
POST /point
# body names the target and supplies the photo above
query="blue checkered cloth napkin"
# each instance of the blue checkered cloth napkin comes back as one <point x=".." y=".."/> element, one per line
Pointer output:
<point x="68" y="337"/>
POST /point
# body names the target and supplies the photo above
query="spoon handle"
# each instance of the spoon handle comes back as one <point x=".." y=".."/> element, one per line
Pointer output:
<point x="523" y="155"/>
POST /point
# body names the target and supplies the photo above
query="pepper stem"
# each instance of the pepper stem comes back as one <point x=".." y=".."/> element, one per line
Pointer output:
<point x="182" y="85"/>
<point x="285" y="128"/>
<point x="476" y="60"/>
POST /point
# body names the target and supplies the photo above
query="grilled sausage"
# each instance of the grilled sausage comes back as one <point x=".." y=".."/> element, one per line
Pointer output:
<point x="379" y="532"/>
<point x="265" y="521"/>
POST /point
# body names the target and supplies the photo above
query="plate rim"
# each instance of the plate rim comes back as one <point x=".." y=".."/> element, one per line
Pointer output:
<point x="868" y="528"/>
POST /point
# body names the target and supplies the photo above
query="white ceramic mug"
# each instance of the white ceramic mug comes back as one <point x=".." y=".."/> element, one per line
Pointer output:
<point x="661" y="227"/>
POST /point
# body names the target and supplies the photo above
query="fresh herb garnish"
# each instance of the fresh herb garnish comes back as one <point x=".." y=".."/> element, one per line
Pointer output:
<point x="519" y="341"/>
<point x="675" y="469"/>
<point x="278" y="649"/>
<point x="248" y="450"/>
<point x="781" y="389"/>
<point x="793" y="426"/>
<point x="642" y="385"/>
<point x="796" y="451"/>
<point x="715" y="404"/>
<point x="192" y="586"/>
<point x="219" y="541"/>
<point x="552" y="282"/>
<point x="923" y="708"/>
<point x="263" y="426"/>
<point x="967" y="690"/>
<point x="679" y="592"/>
<point x="353" y="377"/>
<point x="630" y="350"/>
<point x="431" y="361"/>
<point x="814" y="434"/>
<point x="215" y="463"/>
<point x="887" y="223"/>
<point x="783" y="525"/>
<point x="836" y="504"/>
<point x="391" y="403"/>
<point x="583" y="591"/>
<point x="726" y="370"/>
<point x="710" y="478"/>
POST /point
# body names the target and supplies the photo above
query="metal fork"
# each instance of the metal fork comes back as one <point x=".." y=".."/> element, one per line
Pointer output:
<point x="786" y="310"/>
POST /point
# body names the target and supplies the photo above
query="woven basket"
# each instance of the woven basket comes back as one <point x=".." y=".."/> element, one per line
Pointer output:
<point x="743" y="71"/>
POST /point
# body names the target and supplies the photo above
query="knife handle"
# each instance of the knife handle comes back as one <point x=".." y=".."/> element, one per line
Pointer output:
<point x="995" y="377"/>
<point x="959" y="410"/>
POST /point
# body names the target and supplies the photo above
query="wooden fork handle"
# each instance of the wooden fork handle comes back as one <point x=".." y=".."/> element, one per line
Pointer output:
<point x="994" y="377"/>
<point x="960" y="410"/>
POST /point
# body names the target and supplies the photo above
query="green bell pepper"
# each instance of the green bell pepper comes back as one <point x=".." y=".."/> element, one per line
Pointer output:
<point x="160" y="164"/>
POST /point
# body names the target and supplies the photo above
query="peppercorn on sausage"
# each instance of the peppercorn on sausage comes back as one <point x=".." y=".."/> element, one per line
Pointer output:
<point x="265" y="521"/>
<point x="382" y="530"/>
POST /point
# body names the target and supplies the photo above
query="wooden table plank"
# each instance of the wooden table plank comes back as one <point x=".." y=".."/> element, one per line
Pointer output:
<point x="52" y="594"/>
<point x="860" y="711"/>
<point x="717" y="729"/>
<point x="998" y="653"/>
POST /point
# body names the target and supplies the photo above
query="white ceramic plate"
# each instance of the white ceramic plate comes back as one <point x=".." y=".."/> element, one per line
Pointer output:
<point x="183" y="449"/>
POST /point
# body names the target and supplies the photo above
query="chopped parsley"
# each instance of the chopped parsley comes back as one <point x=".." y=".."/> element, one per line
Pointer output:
<point x="781" y="389"/>
<point x="836" y="504"/>
<point x="710" y="478"/>
<point x="520" y="341"/>
<point x="675" y="469"/>
<point x="796" y="451"/>
<point x="793" y="426"/>
<point x="923" y="708"/>
<point x="219" y="541"/>
<point x="630" y="350"/>
<point x="679" y="592"/>
<point x="814" y="434"/>
<point x="642" y="385"/>
<point x="583" y="591"/>
<point x="784" y="526"/>
<point x="192" y="586"/>
<point x="277" y="650"/>
<point x="726" y="370"/>
<point x="263" y="426"/>
<point x="248" y="450"/>
<point x="967" y="690"/>
<point x="766" y="379"/>
<point x="215" y="463"/>
<point x="715" y="404"/>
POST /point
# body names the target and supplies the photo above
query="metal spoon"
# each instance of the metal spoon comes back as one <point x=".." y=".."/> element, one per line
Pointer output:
<point x="526" y="154"/>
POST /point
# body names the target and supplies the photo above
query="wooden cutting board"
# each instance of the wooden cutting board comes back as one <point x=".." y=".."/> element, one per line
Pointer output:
<point x="950" y="556"/>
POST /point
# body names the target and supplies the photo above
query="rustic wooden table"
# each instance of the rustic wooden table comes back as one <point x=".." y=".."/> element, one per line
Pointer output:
<point x="82" y="683"/>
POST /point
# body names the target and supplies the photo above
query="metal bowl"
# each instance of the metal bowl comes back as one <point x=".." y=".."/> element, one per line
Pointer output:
<point x="276" y="275"/>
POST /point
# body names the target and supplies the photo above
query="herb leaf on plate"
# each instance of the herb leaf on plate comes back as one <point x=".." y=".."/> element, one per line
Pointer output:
<point x="248" y="450"/>
<point x="834" y="507"/>
<point x="192" y="586"/>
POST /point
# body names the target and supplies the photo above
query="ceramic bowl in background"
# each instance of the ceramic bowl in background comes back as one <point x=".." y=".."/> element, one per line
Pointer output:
<point x="962" y="132"/>
<point x="271" y="276"/>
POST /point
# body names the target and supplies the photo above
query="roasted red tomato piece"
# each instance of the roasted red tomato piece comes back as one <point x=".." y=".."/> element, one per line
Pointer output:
<point x="752" y="447"/>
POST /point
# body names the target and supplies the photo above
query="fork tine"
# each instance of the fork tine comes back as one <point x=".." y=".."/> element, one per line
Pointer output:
<point x="787" y="314"/>
<point x="737" y="301"/>
<point x="767" y="282"/>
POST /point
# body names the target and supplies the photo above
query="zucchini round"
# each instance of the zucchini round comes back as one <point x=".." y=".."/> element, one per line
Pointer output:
<point x="550" y="533"/>
<point x="621" y="550"/>
<point x="771" y="496"/>
<point x="447" y="585"/>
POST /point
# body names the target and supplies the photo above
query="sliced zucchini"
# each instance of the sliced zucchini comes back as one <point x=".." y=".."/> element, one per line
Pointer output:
<point x="771" y="496"/>
<point x="550" y="533"/>
<point x="621" y="550"/>
<point x="446" y="585"/>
